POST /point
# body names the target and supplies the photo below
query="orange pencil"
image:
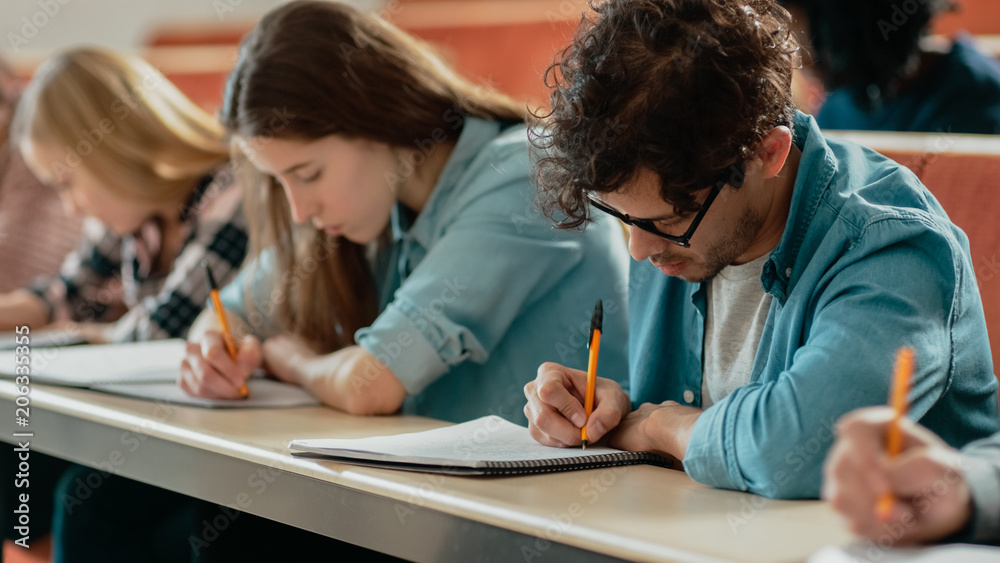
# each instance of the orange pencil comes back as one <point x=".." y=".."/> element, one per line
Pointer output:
<point x="595" y="345"/>
<point x="900" y="388"/>
<point x="227" y="336"/>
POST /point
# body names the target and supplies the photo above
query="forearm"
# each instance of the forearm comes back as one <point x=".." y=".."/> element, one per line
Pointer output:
<point x="21" y="307"/>
<point x="352" y="380"/>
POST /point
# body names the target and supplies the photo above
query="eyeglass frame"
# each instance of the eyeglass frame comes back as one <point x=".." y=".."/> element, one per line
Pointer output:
<point x="733" y="175"/>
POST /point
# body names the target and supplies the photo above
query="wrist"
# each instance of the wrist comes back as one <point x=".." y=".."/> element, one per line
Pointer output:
<point x="671" y="433"/>
<point x="303" y="371"/>
<point x="657" y="434"/>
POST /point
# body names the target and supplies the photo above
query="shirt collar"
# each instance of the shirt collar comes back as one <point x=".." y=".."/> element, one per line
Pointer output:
<point x="476" y="134"/>
<point x="816" y="169"/>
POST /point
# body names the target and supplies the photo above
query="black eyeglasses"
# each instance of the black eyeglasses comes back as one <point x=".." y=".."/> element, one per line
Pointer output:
<point x="733" y="175"/>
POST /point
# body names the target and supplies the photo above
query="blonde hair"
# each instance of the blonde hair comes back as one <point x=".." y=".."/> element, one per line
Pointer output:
<point x="123" y="121"/>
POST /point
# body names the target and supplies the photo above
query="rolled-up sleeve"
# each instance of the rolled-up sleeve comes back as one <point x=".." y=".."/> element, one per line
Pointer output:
<point x="461" y="299"/>
<point x="771" y="437"/>
<point x="982" y="473"/>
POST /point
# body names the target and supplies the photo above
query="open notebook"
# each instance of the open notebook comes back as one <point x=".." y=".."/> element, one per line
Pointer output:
<point x="486" y="446"/>
<point x="145" y="370"/>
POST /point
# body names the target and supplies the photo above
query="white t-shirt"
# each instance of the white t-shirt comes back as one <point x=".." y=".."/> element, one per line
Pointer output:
<point x="734" y="320"/>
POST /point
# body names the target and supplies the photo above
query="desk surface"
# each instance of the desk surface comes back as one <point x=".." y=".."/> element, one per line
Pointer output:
<point x="239" y="458"/>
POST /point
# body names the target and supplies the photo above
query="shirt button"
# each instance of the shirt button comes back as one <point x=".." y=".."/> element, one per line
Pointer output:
<point x="688" y="396"/>
<point x="788" y="272"/>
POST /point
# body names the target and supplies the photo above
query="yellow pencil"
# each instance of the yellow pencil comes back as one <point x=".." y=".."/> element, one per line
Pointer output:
<point x="227" y="335"/>
<point x="596" y="322"/>
<point x="900" y="388"/>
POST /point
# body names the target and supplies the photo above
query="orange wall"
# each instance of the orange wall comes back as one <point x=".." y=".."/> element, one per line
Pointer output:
<point x="978" y="17"/>
<point x="511" y="55"/>
<point x="511" y="58"/>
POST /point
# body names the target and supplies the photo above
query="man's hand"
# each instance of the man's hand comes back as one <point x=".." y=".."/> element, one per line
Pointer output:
<point x="931" y="499"/>
<point x="555" y="408"/>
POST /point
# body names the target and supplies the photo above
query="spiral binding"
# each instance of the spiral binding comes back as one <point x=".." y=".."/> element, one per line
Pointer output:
<point x="574" y="463"/>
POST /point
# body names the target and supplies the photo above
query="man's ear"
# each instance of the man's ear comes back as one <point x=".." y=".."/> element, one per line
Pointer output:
<point x="774" y="148"/>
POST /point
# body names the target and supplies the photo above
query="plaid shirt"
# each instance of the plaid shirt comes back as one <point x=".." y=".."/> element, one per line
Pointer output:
<point x="109" y="277"/>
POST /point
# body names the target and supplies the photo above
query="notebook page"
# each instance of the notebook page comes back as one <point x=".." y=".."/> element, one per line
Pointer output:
<point x="40" y="338"/>
<point x="489" y="438"/>
<point x="264" y="393"/>
<point x="86" y="366"/>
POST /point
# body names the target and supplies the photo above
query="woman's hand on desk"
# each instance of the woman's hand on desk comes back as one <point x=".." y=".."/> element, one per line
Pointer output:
<point x="21" y="307"/>
<point x="208" y="371"/>
<point x="555" y="408"/>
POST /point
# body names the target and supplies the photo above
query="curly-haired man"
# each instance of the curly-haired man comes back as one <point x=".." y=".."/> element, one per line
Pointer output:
<point x="776" y="271"/>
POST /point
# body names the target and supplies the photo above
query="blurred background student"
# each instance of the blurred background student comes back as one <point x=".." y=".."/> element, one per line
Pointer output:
<point x="880" y="73"/>
<point x="36" y="234"/>
<point x="122" y="146"/>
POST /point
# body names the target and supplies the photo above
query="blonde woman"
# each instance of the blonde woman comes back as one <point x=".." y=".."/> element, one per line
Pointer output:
<point x="126" y="149"/>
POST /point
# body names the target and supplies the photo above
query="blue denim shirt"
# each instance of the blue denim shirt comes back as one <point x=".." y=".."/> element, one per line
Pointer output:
<point x="868" y="262"/>
<point x="480" y="288"/>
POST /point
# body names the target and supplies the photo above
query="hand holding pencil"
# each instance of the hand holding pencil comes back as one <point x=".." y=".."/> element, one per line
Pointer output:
<point x="214" y="367"/>
<point x="558" y="410"/>
<point x="886" y="472"/>
<point x="227" y="335"/>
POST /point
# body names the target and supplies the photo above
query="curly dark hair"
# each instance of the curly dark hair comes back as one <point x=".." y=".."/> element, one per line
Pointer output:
<point x="866" y="46"/>
<point x="685" y="88"/>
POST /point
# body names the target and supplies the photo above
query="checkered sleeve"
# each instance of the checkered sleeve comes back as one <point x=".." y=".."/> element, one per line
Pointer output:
<point x="220" y="238"/>
<point x="88" y="279"/>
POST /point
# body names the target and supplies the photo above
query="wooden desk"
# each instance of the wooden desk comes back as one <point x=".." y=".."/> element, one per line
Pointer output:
<point x="238" y="458"/>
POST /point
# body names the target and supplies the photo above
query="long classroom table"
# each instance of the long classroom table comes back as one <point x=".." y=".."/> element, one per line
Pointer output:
<point x="238" y="458"/>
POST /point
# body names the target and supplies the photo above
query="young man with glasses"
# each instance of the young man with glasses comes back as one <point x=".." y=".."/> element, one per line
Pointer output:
<point x="791" y="266"/>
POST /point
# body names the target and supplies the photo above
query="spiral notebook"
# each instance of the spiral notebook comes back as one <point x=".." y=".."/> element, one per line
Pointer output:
<point x="485" y="446"/>
<point x="142" y="370"/>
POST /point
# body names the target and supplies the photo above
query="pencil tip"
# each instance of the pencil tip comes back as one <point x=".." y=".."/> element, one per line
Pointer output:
<point x="597" y="320"/>
<point x="584" y="444"/>
<point x="211" y="278"/>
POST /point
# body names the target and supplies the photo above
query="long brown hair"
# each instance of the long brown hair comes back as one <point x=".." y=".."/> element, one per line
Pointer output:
<point x="312" y="69"/>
